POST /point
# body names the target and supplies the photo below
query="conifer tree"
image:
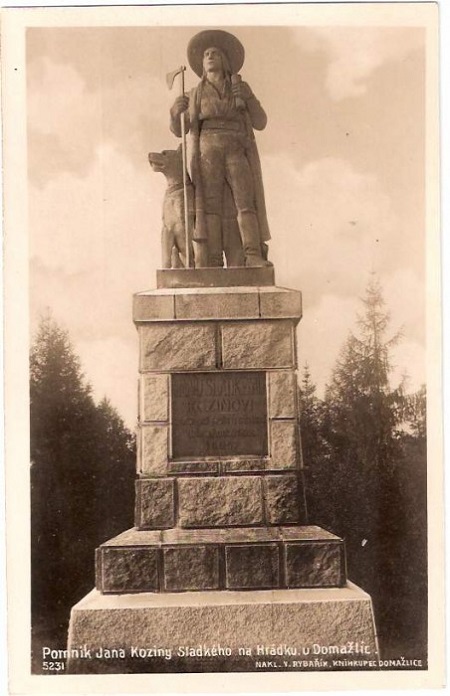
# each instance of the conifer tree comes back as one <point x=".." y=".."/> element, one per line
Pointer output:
<point x="361" y="424"/>
<point x="82" y="477"/>
<point x="364" y="410"/>
<point x="62" y="414"/>
<point x="374" y="487"/>
<point x="61" y="403"/>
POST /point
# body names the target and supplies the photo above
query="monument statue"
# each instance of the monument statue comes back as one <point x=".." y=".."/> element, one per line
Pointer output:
<point x="220" y="115"/>
<point x="223" y="562"/>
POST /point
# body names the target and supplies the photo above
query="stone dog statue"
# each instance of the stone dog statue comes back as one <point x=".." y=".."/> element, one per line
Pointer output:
<point x="173" y="236"/>
<point x="170" y="163"/>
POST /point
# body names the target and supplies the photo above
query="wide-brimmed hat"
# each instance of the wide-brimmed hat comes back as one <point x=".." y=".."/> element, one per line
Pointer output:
<point x="216" y="38"/>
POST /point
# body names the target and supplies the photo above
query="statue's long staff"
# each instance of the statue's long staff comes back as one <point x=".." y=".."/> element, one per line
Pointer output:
<point x="170" y="80"/>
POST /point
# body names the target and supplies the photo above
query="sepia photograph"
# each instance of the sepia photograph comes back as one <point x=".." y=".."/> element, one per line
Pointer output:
<point x="222" y="346"/>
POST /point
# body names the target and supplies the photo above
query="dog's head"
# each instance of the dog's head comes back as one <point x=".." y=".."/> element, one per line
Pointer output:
<point x="169" y="162"/>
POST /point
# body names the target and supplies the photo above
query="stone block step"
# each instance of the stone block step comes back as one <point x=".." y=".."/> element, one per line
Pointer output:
<point x="248" y="558"/>
<point x="216" y="501"/>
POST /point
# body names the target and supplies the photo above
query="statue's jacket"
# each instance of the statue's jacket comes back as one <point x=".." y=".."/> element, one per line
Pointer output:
<point x="200" y="231"/>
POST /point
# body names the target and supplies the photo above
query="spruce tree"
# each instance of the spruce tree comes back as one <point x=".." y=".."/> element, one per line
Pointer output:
<point x="362" y="425"/>
<point x="375" y="489"/>
<point x="62" y="443"/>
<point x="364" y="410"/>
<point x="82" y="479"/>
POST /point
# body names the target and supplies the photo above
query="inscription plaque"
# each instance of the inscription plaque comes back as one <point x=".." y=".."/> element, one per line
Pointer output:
<point x="219" y="414"/>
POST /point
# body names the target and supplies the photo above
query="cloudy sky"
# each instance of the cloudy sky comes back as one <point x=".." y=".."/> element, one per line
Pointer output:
<point x="343" y="165"/>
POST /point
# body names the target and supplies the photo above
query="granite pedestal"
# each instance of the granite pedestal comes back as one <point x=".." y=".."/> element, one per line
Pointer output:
<point x="222" y="631"/>
<point x="221" y="526"/>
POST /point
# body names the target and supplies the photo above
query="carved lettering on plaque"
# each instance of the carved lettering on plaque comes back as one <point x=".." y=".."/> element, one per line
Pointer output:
<point x="219" y="414"/>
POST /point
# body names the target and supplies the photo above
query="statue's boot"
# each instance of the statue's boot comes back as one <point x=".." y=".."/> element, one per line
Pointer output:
<point x="215" y="245"/>
<point x="200" y="254"/>
<point x="248" y="225"/>
<point x="232" y="243"/>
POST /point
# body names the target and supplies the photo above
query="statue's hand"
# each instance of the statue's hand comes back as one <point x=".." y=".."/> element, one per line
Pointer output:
<point x="180" y="104"/>
<point x="241" y="90"/>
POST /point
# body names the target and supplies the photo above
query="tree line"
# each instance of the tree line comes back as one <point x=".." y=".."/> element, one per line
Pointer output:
<point x="82" y="473"/>
<point x="364" y="451"/>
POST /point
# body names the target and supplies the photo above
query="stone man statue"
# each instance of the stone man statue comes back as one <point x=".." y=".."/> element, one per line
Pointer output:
<point x="220" y="114"/>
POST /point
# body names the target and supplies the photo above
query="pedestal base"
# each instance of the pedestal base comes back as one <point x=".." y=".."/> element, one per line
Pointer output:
<point x="246" y="558"/>
<point x="221" y="631"/>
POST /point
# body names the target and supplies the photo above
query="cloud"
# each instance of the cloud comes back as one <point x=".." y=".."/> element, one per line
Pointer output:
<point x="81" y="225"/>
<point x="67" y="122"/>
<point x="114" y="364"/>
<point x="327" y="323"/>
<point x="63" y="123"/>
<point x="408" y="359"/>
<point x="354" y="53"/>
<point x="404" y="292"/>
<point x="94" y="242"/>
<point x="331" y="225"/>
